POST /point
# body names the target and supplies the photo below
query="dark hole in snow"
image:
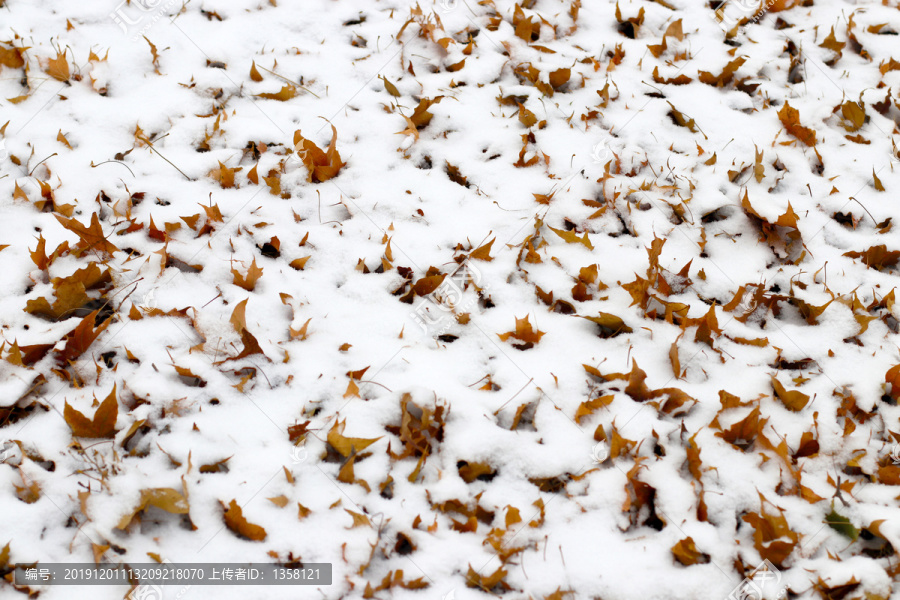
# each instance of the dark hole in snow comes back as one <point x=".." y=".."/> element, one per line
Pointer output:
<point x="404" y="545"/>
<point x="448" y="338"/>
<point x="626" y="29"/>
<point x="108" y="357"/>
<point x="270" y="251"/>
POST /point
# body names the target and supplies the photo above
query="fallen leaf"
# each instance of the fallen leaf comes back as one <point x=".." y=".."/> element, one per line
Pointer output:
<point x="235" y="521"/>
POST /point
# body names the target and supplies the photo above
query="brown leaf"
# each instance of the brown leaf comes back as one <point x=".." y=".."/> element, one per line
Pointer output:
<point x="877" y="257"/>
<point x="687" y="554"/>
<point x="286" y="93"/>
<point x="892" y="377"/>
<point x="321" y="166"/>
<point x="610" y="325"/>
<point x="235" y="521"/>
<point x="483" y="252"/>
<point x="80" y="338"/>
<point x="559" y="77"/>
<point x="524" y="332"/>
<point x="90" y="238"/>
<point x="224" y="175"/>
<point x="426" y="285"/>
<point x="486" y="582"/>
<point x="790" y="118"/>
<point x="167" y="499"/>
<point x="587" y="408"/>
<point x="103" y="425"/>
<point x="472" y="471"/>
<point x="254" y="72"/>
<point x="248" y="281"/>
<point x="725" y="77"/>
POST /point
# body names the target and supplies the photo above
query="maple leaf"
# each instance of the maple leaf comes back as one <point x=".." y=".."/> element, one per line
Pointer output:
<point x="410" y="129"/>
<point x="790" y="118"/>
<point x="90" y="238"/>
<point x="70" y="293"/>
<point x="486" y="582"/>
<point x="80" y="338"/>
<point x="772" y="537"/>
<point x="167" y="499"/>
<point x="224" y="175"/>
<point x="524" y="332"/>
<point x="248" y="281"/>
<point x="103" y="425"/>
<point x="235" y="521"/>
<point x="321" y="166"/>
<point x="58" y="68"/>
<point x="725" y="77"/>
<point x="345" y="446"/>
<point x="572" y="238"/>
<point x="877" y="257"/>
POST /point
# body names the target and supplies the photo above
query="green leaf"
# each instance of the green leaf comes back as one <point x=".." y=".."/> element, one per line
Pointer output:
<point x="842" y="525"/>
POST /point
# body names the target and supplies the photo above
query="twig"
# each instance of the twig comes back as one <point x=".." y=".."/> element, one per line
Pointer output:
<point x="40" y="163"/>
<point x="288" y="80"/>
<point x="153" y="148"/>
<point x="93" y="166"/>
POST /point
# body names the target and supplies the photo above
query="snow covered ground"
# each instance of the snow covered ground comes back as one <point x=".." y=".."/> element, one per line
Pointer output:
<point x="543" y="300"/>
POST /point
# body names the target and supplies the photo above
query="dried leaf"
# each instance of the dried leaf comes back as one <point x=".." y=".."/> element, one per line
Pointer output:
<point x="790" y="118"/>
<point x="103" y="425"/>
<point x="235" y="521"/>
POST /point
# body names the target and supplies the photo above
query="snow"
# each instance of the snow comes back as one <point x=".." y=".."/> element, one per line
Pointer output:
<point x="657" y="180"/>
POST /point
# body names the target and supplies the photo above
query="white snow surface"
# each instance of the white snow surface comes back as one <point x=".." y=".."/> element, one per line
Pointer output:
<point x="655" y="178"/>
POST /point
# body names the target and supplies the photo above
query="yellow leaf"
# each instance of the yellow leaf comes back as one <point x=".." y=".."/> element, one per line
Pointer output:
<point x="793" y="400"/>
<point x="58" y="68"/>
<point x="572" y="238"/>
<point x="359" y="519"/>
<point x="345" y="445"/>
